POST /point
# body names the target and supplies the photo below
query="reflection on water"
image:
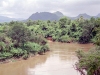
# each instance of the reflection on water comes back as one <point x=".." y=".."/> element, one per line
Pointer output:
<point x="59" y="61"/>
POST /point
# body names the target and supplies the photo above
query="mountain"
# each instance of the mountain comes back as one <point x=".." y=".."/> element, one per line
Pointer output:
<point x="84" y="16"/>
<point x="98" y="15"/>
<point x="56" y="16"/>
<point x="46" y="16"/>
<point x="59" y="14"/>
<point x="7" y="19"/>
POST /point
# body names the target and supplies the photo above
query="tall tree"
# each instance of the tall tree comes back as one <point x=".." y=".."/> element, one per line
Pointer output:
<point x="20" y="34"/>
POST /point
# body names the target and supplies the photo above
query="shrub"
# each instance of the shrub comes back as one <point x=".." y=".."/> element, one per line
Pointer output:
<point x="44" y="48"/>
<point x="38" y="39"/>
<point x="25" y="56"/>
<point x="65" y="38"/>
<point x="2" y="46"/>
<point x="5" y="55"/>
<point x="89" y="61"/>
<point x="32" y="47"/>
<point x="17" y="52"/>
<point x="55" y="38"/>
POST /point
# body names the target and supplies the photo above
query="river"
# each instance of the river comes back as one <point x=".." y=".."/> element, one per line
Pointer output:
<point x="58" y="61"/>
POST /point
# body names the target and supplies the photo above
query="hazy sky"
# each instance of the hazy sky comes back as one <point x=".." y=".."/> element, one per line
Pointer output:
<point x="24" y="8"/>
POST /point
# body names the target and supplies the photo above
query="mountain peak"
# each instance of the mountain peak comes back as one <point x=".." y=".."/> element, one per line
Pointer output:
<point x="44" y="16"/>
<point x="98" y="15"/>
<point x="58" y="13"/>
<point x="86" y="16"/>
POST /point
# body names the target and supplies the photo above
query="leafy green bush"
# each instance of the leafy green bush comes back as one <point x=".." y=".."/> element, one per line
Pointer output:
<point x="65" y="39"/>
<point x="85" y="37"/>
<point x="2" y="46"/>
<point x="89" y="61"/>
<point x="97" y="39"/>
<point x="5" y="55"/>
<point x="25" y="56"/>
<point x="44" y="48"/>
<point x="55" y="38"/>
<point x="19" y="33"/>
<point x="17" y="52"/>
<point x="38" y="39"/>
<point x="32" y="47"/>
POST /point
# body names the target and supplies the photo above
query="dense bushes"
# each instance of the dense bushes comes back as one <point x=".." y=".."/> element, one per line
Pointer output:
<point x="90" y="61"/>
<point x="22" y="38"/>
<point x="32" y="47"/>
<point x="81" y="30"/>
<point x="17" y="52"/>
<point x="5" y="55"/>
<point x="65" y="38"/>
<point x="19" y="41"/>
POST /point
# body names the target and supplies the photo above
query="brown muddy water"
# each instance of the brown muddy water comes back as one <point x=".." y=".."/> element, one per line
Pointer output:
<point x="59" y="61"/>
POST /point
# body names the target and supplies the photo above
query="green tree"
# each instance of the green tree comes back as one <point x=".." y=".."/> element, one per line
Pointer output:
<point x="63" y="22"/>
<point x="90" y="61"/>
<point x="19" y="34"/>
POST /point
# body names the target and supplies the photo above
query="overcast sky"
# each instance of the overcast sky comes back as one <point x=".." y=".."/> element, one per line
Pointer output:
<point x="24" y="8"/>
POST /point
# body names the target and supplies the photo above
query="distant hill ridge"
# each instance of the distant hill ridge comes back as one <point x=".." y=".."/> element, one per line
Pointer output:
<point x="47" y="16"/>
<point x="58" y="13"/>
<point x="56" y="16"/>
<point x="8" y="19"/>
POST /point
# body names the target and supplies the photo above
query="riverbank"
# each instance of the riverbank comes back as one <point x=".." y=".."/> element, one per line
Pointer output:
<point x="59" y="60"/>
<point x="10" y="60"/>
<point x="49" y="41"/>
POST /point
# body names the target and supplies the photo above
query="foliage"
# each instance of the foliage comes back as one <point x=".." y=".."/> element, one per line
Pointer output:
<point x="25" y="56"/>
<point x="65" y="39"/>
<point x="2" y="46"/>
<point x="17" y="52"/>
<point x="44" y="48"/>
<point x="97" y="37"/>
<point x="32" y="47"/>
<point x="38" y="39"/>
<point x="5" y="55"/>
<point x="90" y="61"/>
<point x="19" y="34"/>
<point x="20" y="41"/>
<point x="23" y="38"/>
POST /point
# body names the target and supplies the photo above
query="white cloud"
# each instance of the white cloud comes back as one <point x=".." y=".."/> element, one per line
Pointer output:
<point x="5" y="4"/>
<point x="24" y="8"/>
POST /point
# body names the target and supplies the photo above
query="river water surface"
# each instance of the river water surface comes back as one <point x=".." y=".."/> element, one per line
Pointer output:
<point x="59" y="61"/>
